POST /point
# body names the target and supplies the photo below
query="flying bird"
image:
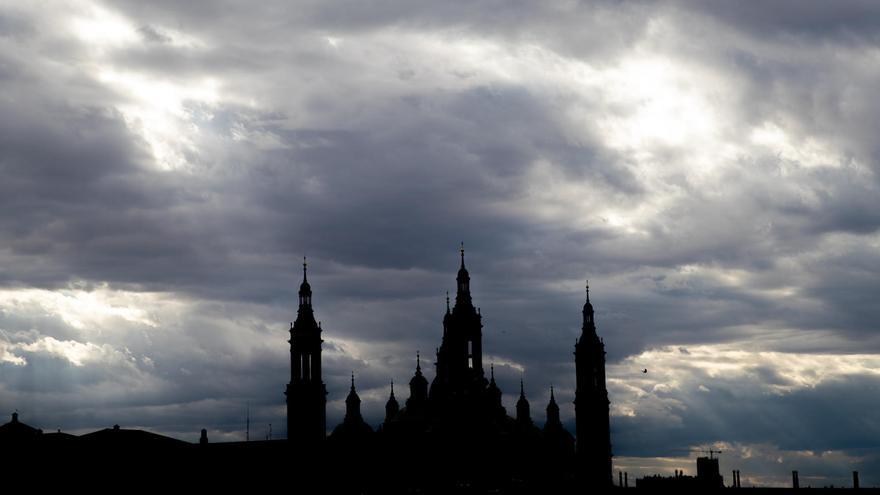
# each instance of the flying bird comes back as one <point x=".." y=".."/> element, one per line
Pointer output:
<point x="645" y="370"/>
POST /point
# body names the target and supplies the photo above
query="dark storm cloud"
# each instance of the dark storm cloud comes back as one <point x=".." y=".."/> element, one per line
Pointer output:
<point x="374" y="139"/>
<point x="811" y="19"/>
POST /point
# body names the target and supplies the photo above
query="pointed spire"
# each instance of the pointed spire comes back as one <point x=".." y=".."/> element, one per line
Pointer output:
<point x="553" y="421"/>
<point x="352" y="404"/>
<point x="391" y="407"/>
<point x="523" y="415"/>
<point x="305" y="290"/>
<point x="589" y="323"/>
<point x="463" y="292"/>
<point x="492" y="371"/>
<point x="418" y="386"/>
<point x="461" y="249"/>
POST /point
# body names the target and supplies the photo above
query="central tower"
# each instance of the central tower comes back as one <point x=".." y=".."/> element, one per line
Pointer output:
<point x="460" y="374"/>
<point x="306" y="393"/>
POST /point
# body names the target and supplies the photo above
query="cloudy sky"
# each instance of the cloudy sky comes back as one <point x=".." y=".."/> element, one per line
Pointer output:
<point x="711" y="168"/>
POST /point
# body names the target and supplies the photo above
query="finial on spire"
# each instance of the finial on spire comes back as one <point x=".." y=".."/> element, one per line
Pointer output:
<point x="418" y="361"/>
<point x="352" y="381"/>
<point x="522" y="389"/>
<point x="392" y="388"/>
<point x="588" y="289"/>
<point x="492" y="370"/>
<point x="447" y="301"/>
<point x="551" y="393"/>
<point x="462" y="253"/>
<point x="305" y="265"/>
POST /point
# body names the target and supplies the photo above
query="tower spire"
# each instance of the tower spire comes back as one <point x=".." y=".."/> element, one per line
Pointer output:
<point x="523" y="415"/>
<point x="418" y="363"/>
<point x="589" y="325"/>
<point x="391" y="407"/>
<point x="305" y="266"/>
<point x="463" y="292"/>
<point x="447" y="302"/>
<point x="461" y="249"/>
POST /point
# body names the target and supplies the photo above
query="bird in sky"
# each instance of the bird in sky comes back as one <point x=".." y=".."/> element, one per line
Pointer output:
<point x="645" y="370"/>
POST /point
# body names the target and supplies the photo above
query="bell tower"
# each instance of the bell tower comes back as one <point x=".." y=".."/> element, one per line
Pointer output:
<point x="306" y="393"/>
<point x="591" y="403"/>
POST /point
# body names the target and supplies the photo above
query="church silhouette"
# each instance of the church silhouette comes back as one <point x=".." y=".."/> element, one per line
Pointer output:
<point x="451" y="435"/>
<point x="455" y="433"/>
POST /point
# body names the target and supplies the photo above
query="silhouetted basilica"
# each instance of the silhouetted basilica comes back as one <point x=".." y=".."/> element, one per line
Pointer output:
<point x="451" y="435"/>
<point x="455" y="432"/>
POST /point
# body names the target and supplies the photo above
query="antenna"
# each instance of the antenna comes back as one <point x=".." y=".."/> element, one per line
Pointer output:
<point x="247" y="434"/>
<point x="710" y="452"/>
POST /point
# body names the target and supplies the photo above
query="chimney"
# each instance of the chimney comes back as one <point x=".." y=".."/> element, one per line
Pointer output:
<point x="855" y="480"/>
<point x="794" y="480"/>
<point x="203" y="440"/>
<point x="15" y="417"/>
<point x="620" y="479"/>
<point x="626" y="480"/>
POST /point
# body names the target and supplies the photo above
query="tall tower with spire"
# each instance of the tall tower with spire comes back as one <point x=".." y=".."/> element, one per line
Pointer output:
<point x="306" y="393"/>
<point x="591" y="403"/>
<point x="460" y="376"/>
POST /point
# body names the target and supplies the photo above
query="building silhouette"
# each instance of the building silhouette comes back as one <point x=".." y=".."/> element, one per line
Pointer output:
<point x="591" y="403"/>
<point x="306" y="393"/>
<point x="457" y="420"/>
<point x="452" y="434"/>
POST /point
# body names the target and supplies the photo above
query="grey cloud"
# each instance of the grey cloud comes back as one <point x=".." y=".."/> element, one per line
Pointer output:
<point x="307" y="150"/>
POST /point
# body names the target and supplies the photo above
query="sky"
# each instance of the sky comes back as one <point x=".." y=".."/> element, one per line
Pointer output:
<point x="711" y="168"/>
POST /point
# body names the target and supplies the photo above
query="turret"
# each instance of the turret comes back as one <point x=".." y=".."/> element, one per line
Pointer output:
<point x="391" y="407"/>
